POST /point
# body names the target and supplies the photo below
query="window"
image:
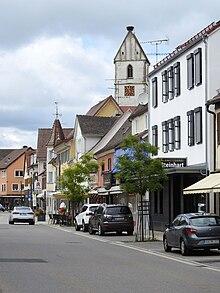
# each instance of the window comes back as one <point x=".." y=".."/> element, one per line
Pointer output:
<point x="103" y="166"/>
<point x="146" y="121"/>
<point x="164" y="87"/>
<point x="19" y="173"/>
<point x="14" y="187"/>
<point x="22" y="187"/>
<point x="155" y="135"/>
<point x="190" y="71"/>
<point x="198" y="125"/>
<point x="170" y="83"/>
<point x="190" y="115"/>
<point x="161" y="201"/>
<point x="198" y="66"/>
<point x="155" y="203"/>
<point x="50" y="177"/>
<point x="4" y="187"/>
<point x="171" y="134"/>
<point x="3" y="173"/>
<point x="176" y="69"/>
<point x="165" y="136"/>
<point x="130" y="71"/>
<point x="135" y="125"/>
<point x="176" y="121"/>
<point x="109" y="164"/>
<point x="154" y="92"/>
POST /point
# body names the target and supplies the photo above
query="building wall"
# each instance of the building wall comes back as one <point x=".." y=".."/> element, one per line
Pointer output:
<point x="108" y="110"/>
<point x="179" y="106"/>
<point x="140" y="123"/>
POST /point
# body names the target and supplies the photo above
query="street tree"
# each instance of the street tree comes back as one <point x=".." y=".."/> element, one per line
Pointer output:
<point x="74" y="181"/>
<point x="138" y="170"/>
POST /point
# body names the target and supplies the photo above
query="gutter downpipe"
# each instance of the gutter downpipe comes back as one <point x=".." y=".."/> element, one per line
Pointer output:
<point x="205" y="37"/>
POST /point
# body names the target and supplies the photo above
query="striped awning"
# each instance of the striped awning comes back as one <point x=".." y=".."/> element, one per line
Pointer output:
<point x="208" y="184"/>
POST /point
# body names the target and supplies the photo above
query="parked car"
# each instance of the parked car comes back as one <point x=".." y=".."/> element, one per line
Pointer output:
<point x="2" y="208"/>
<point x="82" y="219"/>
<point x="22" y="214"/>
<point x="193" y="231"/>
<point x="111" y="218"/>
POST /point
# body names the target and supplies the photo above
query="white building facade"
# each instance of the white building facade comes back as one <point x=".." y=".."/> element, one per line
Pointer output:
<point x="181" y="127"/>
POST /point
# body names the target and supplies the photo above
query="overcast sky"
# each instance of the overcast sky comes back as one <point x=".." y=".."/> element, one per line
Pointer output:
<point x="63" y="50"/>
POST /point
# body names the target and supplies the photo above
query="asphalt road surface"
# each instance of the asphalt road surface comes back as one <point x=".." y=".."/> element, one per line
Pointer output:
<point x="49" y="258"/>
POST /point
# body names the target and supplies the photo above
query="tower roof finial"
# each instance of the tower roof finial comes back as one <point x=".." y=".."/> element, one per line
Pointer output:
<point x="57" y="112"/>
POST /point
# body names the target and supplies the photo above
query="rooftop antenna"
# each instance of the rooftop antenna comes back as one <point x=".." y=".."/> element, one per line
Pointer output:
<point x="157" y="43"/>
<point x="57" y="114"/>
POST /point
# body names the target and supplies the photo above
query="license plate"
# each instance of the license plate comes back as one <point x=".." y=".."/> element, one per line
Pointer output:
<point x="23" y="214"/>
<point x="119" y="219"/>
<point x="212" y="241"/>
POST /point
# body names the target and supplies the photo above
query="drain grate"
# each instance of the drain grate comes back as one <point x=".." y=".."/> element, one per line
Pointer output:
<point x="25" y="260"/>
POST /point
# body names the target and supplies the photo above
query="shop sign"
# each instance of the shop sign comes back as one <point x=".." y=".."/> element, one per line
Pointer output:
<point x="173" y="162"/>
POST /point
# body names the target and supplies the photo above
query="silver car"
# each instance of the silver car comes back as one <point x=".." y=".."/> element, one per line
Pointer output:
<point x="22" y="214"/>
<point x="193" y="231"/>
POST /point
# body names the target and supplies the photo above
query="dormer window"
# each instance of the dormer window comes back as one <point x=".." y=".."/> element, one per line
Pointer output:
<point x="130" y="71"/>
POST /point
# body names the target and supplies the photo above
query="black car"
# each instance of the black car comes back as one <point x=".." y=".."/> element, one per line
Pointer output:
<point x="111" y="218"/>
<point x="193" y="231"/>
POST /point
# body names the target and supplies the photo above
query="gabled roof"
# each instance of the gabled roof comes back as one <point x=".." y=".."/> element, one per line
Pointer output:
<point x="56" y="134"/>
<point x="12" y="157"/>
<point x="96" y="108"/>
<point x="186" y="45"/>
<point x="117" y="139"/>
<point x="44" y="134"/>
<point x="126" y="108"/>
<point x="5" y="152"/>
<point x="95" y="125"/>
<point x="129" y="35"/>
<point x="140" y="109"/>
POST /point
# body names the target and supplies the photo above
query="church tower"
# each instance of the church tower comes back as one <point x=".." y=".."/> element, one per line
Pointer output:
<point x="131" y="70"/>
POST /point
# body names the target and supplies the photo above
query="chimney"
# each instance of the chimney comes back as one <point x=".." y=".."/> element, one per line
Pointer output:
<point x="130" y="28"/>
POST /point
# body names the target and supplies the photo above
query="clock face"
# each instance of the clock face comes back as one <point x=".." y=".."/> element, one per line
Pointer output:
<point x="129" y="90"/>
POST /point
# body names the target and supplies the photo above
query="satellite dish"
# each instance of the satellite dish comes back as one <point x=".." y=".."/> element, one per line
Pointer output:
<point x="143" y="99"/>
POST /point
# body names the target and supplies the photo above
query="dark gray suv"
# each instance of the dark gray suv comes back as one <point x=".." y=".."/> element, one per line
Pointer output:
<point x="111" y="218"/>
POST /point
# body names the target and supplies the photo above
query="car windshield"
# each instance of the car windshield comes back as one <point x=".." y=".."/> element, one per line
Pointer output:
<point x="93" y="208"/>
<point x="205" y="221"/>
<point x="23" y="208"/>
<point x="118" y="210"/>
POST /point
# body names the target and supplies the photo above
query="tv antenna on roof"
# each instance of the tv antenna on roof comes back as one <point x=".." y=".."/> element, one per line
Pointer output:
<point x="157" y="43"/>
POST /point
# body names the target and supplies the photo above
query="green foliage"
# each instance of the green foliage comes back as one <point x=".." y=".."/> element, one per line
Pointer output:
<point x="75" y="179"/>
<point x="139" y="171"/>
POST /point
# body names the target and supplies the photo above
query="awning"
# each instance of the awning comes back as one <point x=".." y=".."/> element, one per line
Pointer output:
<point x="59" y="195"/>
<point x="40" y="195"/>
<point x="208" y="184"/>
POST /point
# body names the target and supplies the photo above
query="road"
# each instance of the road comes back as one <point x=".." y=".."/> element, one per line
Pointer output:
<point x="49" y="258"/>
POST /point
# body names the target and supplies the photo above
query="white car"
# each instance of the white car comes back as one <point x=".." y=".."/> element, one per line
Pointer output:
<point x="22" y="214"/>
<point x="82" y="219"/>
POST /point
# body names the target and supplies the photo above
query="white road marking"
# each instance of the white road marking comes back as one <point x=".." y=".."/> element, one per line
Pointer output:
<point x="143" y="250"/>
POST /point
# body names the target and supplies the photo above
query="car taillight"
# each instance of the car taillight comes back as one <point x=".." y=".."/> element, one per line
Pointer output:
<point x="190" y="231"/>
<point x="31" y="213"/>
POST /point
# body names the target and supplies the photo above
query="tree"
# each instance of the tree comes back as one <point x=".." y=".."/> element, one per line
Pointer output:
<point x="75" y="180"/>
<point x="138" y="170"/>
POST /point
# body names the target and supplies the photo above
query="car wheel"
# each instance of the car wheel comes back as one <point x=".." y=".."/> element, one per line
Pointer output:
<point x="91" y="231"/>
<point x="84" y="228"/>
<point x="77" y="228"/>
<point x="166" y="246"/>
<point x="183" y="248"/>
<point x="100" y="230"/>
<point x="130" y="232"/>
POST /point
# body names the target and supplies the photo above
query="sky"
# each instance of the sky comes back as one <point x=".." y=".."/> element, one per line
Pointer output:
<point x="60" y="53"/>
